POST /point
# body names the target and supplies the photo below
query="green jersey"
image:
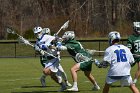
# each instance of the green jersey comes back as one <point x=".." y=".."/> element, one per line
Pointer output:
<point x="74" y="47"/>
<point x="133" y="43"/>
<point x="79" y="54"/>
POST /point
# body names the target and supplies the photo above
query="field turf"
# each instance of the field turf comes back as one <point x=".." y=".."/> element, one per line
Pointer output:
<point x="21" y="75"/>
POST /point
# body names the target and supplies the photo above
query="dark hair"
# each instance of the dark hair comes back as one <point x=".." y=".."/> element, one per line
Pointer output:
<point x="116" y="41"/>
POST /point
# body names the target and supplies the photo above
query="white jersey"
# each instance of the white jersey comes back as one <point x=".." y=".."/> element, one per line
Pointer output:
<point x="119" y="57"/>
<point x="45" y="41"/>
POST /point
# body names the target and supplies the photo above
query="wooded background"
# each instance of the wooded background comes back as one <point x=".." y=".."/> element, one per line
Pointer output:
<point x="88" y="18"/>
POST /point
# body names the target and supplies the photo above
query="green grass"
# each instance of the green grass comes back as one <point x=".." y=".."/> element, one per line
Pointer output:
<point x="21" y="75"/>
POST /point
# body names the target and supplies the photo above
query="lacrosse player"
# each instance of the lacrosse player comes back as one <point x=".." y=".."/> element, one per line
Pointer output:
<point x="43" y="60"/>
<point x="49" y="57"/>
<point x="133" y="43"/>
<point x="82" y="58"/>
<point x="120" y="60"/>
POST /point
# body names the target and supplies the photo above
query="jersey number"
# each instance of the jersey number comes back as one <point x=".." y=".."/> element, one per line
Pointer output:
<point x="137" y="46"/>
<point x="121" y="55"/>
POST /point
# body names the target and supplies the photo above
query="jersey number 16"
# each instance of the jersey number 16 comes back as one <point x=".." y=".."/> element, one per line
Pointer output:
<point x="121" y="55"/>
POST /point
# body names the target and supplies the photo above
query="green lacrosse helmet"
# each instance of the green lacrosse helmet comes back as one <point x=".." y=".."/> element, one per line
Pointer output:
<point x="68" y="35"/>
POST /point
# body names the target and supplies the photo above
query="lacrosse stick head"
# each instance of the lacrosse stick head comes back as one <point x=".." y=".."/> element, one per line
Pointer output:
<point x="66" y="24"/>
<point x="10" y="30"/>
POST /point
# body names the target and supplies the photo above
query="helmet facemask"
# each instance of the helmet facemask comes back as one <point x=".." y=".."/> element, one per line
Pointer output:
<point x="38" y="32"/>
<point x="68" y="35"/>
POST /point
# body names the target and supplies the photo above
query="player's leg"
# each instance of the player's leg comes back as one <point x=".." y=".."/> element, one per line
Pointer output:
<point x="137" y="74"/>
<point x="127" y="81"/>
<point x="92" y="79"/>
<point x="53" y="65"/>
<point x="58" y="79"/>
<point x="74" y="70"/>
<point x="42" y="80"/>
<point x="64" y="75"/>
<point x="134" y="88"/>
<point x="43" y="60"/>
<point x="108" y="82"/>
<point x="106" y="88"/>
<point x="87" y="67"/>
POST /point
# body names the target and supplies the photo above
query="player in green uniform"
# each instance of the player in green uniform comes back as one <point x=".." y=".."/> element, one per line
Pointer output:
<point x="82" y="58"/>
<point x="134" y="44"/>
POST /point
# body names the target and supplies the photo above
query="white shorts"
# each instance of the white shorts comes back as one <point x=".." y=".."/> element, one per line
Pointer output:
<point x="52" y="64"/>
<point x="124" y="80"/>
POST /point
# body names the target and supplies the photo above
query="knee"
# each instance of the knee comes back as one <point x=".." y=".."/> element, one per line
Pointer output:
<point x="72" y="69"/>
<point x="46" y="71"/>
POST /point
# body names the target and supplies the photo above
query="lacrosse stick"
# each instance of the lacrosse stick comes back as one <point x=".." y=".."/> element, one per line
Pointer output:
<point x="136" y="55"/>
<point x="94" y="51"/>
<point x="25" y="41"/>
<point x="21" y="39"/>
<point x="10" y="30"/>
<point x="64" y="26"/>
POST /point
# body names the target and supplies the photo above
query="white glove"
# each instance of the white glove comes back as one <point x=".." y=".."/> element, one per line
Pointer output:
<point x="26" y="42"/>
<point x="91" y="51"/>
<point x="97" y="63"/>
<point x="42" y="52"/>
<point x="23" y="40"/>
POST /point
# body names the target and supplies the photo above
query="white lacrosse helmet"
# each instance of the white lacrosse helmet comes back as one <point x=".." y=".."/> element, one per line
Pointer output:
<point x="114" y="35"/>
<point x="46" y="31"/>
<point x="38" y="32"/>
<point x="68" y="35"/>
<point x="136" y="27"/>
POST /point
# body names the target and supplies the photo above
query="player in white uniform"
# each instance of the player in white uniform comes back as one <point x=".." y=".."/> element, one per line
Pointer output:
<point x="120" y="59"/>
<point x="43" y="46"/>
<point x="44" y="60"/>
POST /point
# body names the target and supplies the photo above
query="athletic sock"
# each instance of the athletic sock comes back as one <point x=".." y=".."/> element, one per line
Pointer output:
<point x="75" y="84"/>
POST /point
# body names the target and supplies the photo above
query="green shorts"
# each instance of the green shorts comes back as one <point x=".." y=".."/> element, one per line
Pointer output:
<point x="86" y="66"/>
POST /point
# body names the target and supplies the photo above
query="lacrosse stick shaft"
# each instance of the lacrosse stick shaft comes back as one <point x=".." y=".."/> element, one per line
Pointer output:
<point x="58" y="31"/>
<point x="136" y="55"/>
<point x="43" y="50"/>
<point x="99" y="51"/>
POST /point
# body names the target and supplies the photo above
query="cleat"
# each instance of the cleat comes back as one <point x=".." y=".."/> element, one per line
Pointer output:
<point x="63" y="87"/>
<point x="95" y="88"/>
<point x="73" y="89"/>
<point x="68" y="84"/>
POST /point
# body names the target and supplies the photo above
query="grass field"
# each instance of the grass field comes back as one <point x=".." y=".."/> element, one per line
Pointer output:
<point x="21" y="75"/>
